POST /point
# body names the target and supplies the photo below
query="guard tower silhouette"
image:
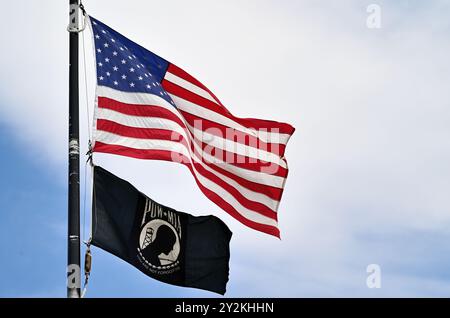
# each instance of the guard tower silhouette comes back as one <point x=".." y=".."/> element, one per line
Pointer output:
<point x="148" y="237"/>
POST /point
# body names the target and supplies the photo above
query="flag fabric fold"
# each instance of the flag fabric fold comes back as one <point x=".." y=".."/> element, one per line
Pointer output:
<point x="149" y="108"/>
<point x="165" y="244"/>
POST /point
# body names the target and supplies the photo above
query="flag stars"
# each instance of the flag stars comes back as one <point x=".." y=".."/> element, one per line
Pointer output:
<point x="124" y="70"/>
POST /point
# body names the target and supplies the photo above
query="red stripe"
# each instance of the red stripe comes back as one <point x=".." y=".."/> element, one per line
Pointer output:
<point x="138" y="110"/>
<point x="232" y="134"/>
<point x="252" y="123"/>
<point x="210" y="126"/>
<point x="188" y="77"/>
<point x="194" y="98"/>
<point x="141" y="133"/>
<point x="162" y="134"/>
<point x="240" y="161"/>
<point x="167" y="156"/>
<point x="272" y="192"/>
<point x="247" y="203"/>
<point x="105" y="125"/>
<point x="252" y="205"/>
<point x="228" y="157"/>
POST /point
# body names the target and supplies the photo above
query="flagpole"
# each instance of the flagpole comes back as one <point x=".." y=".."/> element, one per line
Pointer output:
<point x="73" y="239"/>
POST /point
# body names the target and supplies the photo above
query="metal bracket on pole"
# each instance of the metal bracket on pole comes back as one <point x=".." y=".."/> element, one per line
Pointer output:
<point x="74" y="19"/>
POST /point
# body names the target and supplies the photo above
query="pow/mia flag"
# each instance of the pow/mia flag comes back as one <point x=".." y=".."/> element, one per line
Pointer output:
<point x="170" y="246"/>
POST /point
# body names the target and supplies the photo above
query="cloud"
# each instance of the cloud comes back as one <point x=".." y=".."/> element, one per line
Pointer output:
<point x="370" y="155"/>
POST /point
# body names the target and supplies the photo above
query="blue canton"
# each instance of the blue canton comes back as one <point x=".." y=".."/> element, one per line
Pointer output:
<point x="126" y="66"/>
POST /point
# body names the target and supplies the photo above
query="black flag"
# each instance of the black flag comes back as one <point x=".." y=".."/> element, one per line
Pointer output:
<point x="170" y="246"/>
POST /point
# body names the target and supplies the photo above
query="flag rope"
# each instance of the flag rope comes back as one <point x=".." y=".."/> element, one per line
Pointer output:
<point x="89" y="154"/>
<point x="87" y="256"/>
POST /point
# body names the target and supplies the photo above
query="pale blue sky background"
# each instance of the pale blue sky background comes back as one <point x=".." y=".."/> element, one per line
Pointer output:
<point x="369" y="162"/>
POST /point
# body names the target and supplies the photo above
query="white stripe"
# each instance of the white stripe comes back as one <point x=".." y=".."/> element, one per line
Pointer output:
<point x="160" y="123"/>
<point x="134" y="98"/>
<point x="113" y="139"/>
<point x="202" y="136"/>
<point x="235" y="147"/>
<point x="201" y="92"/>
<point x="139" y="121"/>
<point x="189" y="86"/>
<point x="249" y="194"/>
<point x="150" y="99"/>
<point x="199" y="111"/>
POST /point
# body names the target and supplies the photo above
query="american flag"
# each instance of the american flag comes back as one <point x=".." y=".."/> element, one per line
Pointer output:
<point x="149" y="108"/>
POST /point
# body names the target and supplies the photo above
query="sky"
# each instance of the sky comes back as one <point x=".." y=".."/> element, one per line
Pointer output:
<point x="369" y="162"/>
